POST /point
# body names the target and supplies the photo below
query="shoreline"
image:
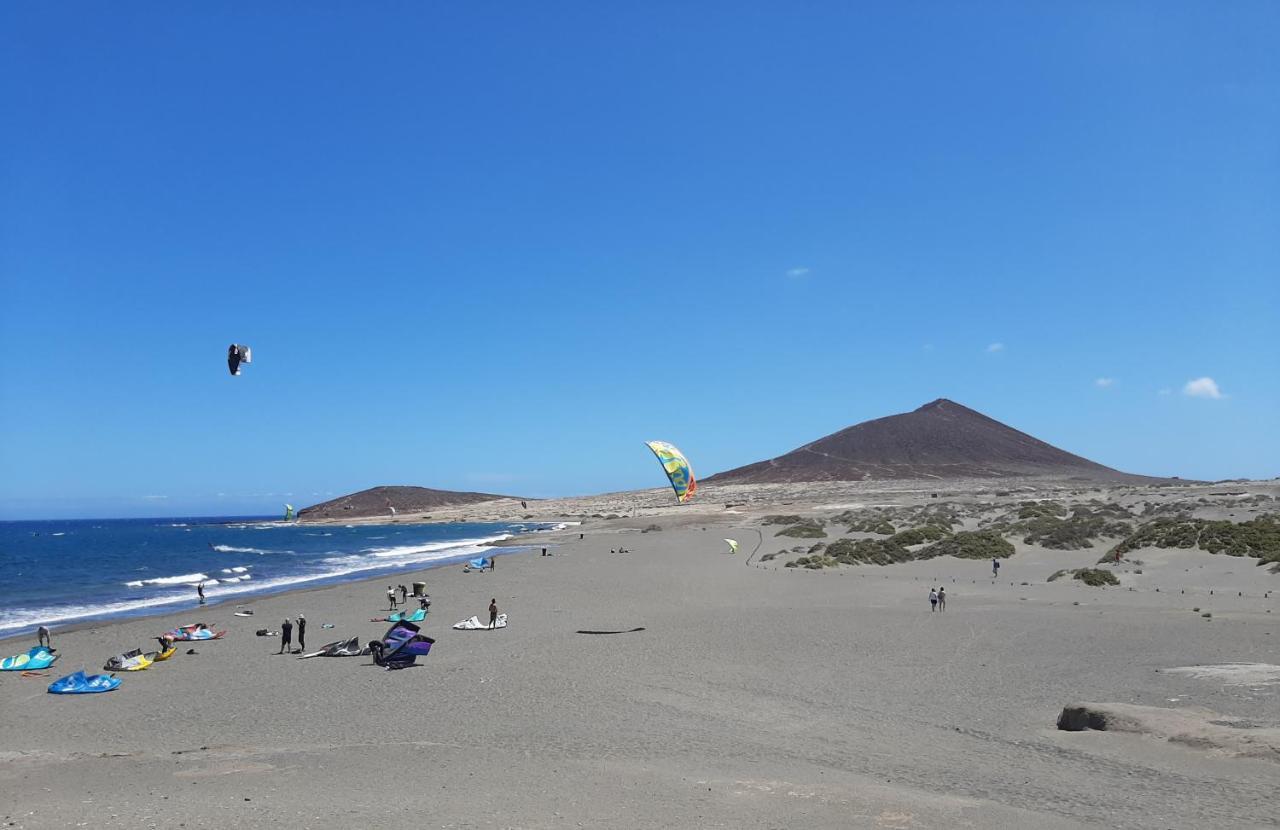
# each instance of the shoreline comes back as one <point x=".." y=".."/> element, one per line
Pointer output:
<point x="245" y="600"/>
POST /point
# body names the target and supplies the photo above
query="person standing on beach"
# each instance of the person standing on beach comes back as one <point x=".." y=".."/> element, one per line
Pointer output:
<point x="391" y="597"/>
<point x="200" y="592"/>
<point x="404" y="595"/>
<point x="302" y="633"/>
<point x="42" y="633"/>
<point x="933" y="600"/>
<point x="995" y="568"/>
<point x="493" y="613"/>
<point x="286" y="635"/>
<point x="942" y="599"/>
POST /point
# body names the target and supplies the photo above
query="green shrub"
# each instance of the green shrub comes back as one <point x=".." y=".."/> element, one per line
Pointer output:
<point x="882" y="526"/>
<point x="807" y="529"/>
<point x="1258" y="537"/>
<point x="920" y="535"/>
<point x="1034" y="509"/>
<point x="781" y="520"/>
<point x="970" y="544"/>
<point x="1096" y="577"/>
<point x="868" y="552"/>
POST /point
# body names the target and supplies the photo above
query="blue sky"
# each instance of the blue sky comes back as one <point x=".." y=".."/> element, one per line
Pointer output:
<point x="497" y="246"/>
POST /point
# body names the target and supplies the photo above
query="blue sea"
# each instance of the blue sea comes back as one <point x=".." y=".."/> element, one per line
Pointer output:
<point x="61" y="572"/>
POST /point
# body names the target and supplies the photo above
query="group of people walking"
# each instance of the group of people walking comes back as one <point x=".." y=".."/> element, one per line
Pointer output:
<point x="937" y="599"/>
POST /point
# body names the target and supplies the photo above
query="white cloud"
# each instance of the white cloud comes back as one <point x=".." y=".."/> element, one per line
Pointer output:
<point x="1104" y="383"/>
<point x="796" y="273"/>
<point x="1203" y="388"/>
<point x="992" y="348"/>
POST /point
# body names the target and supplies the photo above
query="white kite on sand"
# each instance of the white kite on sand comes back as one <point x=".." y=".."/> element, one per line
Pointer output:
<point x="733" y="545"/>
<point x="474" y="624"/>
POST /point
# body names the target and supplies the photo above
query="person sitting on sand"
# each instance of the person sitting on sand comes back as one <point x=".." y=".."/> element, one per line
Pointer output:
<point x="493" y="613"/>
<point x="933" y="600"/>
<point x="942" y="599"/>
<point x="286" y="636"/>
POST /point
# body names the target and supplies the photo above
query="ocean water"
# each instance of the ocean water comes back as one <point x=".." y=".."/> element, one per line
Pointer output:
<point x="62" y="572"/>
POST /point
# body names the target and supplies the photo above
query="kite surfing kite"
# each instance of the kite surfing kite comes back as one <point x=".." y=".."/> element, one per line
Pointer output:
<point x="733" y="545"/>
<point x="38" y="657"/>
<point x="237" y="354"/>
<point x="401" y="646"/>
<point x="677" y="467"/>
<point x="288" y="513"/>
<point x="78" y="683"/>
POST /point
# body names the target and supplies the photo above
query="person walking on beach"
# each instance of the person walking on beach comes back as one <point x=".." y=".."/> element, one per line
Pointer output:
<point x="391" y="597"/>
<point x="933" y="600"/>
<point x="42" y="634"/>
<point x="995" y="568"/>
<point x="200" y="592"/>
<point x="493" y="613"/>
<point x="286" y="636"/>
<point x="942" y="599"/>
<point x="302" y="633"/>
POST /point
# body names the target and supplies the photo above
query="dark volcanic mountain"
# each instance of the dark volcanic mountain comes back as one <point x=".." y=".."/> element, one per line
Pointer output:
<point x="939" y="440"/>
<point x="378" y="501"/>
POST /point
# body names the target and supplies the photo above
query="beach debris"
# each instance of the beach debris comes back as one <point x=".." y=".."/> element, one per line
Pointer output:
<point x="236" y="355"/>
<point x="619" y="631"/>
<point x="677" y="467"/>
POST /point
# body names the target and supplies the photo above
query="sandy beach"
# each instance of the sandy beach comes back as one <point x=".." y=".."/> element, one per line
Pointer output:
<point x="755" y="696"/>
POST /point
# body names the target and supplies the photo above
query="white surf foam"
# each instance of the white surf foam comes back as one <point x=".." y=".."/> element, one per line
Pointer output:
<point x="234" y="549"/>
<point x="181" y="579"/>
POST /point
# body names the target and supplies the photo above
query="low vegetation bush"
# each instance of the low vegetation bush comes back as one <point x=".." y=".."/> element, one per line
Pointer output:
<point x="781" y="520"/>
<point x="806" y="529"/>
<point x="1034" y="509"/>
<point x="1258" y="537"/>
<point x="882" y="526"/>
<point x="920" y="535"/>
<point x="1096" y="577"/>
<point x="970" y="544"/>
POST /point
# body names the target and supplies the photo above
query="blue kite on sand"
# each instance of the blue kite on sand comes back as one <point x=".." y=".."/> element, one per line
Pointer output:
<point x="77" y="683"/>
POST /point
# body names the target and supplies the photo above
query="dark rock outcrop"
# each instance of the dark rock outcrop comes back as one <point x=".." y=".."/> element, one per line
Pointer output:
<point x="379" y="501"/>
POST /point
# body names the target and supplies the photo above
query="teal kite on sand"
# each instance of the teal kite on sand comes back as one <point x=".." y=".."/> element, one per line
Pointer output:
<point x="39" y="657"/>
